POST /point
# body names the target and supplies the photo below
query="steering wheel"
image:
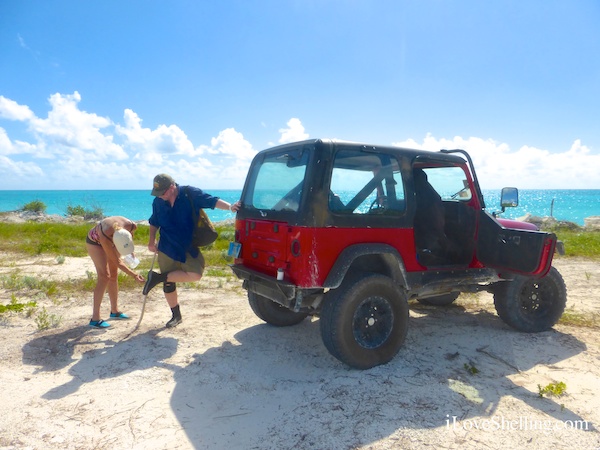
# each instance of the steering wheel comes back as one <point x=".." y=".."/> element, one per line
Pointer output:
<point x="375" y="206"/>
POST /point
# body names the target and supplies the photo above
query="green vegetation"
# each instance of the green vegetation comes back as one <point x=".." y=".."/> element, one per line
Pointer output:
<point x="34" y="238"/>
<point x="95" y="213"/>
<point x="16" y="306"/>
<point x="14" y="282"/>
<point x="471" y="369"/>
<point x="66" y="239"/>
<point x="554" y="389"/>
<point x="584" y="244"/>
<point x="45" y="321"/>
<point x="35" y="206"/>
<point x="580" y="319"/>
<point x="59" y="239"/>
<point x="62" y="239"/>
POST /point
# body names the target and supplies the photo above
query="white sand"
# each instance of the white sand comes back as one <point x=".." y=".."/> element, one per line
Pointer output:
<point x="224" y="380"/>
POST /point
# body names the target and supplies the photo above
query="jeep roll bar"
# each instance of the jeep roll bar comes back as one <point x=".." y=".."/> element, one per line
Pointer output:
<point x="473" y="173"/>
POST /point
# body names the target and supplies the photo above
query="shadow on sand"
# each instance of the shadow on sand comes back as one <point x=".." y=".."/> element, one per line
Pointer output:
<point x="279" y="388"/>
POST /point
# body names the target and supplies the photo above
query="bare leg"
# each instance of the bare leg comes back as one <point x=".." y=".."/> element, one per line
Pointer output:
<point x="179" y="276"/>
<point x="113" y="288"/>
<point x="99" y="258"/>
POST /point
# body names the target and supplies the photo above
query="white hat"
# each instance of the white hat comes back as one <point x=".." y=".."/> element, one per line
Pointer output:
<point x="123" y="241"/>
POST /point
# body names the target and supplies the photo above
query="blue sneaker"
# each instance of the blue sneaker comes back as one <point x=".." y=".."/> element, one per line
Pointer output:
<point x="99" y="324"/>
<point x="119" y="315"/>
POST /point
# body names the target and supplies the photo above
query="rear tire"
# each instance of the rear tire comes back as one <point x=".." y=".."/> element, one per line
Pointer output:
<point x="274" y="313"/>
<point x="364" y="322"/>
<point x="532" y="304"/>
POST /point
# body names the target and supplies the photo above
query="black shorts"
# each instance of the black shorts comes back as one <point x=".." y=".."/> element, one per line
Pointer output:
<point x="89" y="241"/>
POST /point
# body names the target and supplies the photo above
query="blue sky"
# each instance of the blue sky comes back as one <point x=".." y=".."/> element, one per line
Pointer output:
<point x="104" y="95"/>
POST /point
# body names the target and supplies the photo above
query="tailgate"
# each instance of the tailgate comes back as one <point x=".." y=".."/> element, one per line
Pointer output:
<point x="264" y="245"/>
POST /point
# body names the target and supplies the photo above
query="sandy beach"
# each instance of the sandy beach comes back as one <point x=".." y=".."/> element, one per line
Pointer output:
<point x="225" y="380"/>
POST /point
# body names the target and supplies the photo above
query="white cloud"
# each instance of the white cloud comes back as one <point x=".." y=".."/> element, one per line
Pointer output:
<point x="7" y="147"/>
<point x="67" y="131"/>
<point x="11" y="110"/>
<point x="74" y="149"/>
<point x="294" y="132"/>
<point x="70" y="130"/>
<point x="164" y="140"/>
<point x="14" y="172"/>
<point x="497" y="165"/>
<point x="230" y="142"/>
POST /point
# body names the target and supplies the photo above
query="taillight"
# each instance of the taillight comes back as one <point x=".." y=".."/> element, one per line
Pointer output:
<point x="295" y="248"/>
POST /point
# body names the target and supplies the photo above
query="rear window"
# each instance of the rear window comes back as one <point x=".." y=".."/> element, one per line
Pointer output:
<point x="276" y="184"/>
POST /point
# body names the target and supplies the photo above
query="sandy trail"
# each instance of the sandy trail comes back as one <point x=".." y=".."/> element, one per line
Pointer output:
<point x="223" y="379"/>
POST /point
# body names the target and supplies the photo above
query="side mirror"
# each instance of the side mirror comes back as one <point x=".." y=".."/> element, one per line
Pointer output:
<point x="509" y="198"/>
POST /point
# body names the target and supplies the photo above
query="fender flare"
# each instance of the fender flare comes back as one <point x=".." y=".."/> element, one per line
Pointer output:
<point x="390" y="256"/>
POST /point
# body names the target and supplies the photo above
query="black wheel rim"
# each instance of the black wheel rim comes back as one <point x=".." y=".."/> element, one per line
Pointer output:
<point x="373" y="322"/>
<point x="535" y="299"/>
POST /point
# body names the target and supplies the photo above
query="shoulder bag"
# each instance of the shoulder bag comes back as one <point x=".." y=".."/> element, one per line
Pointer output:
<point x="204" y="231"/>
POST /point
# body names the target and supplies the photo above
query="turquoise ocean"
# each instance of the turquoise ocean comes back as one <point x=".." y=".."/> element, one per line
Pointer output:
<point x="573" y="205"/>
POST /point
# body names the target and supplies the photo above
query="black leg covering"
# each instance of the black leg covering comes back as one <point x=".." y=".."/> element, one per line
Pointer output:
<point x="169" y="286"/>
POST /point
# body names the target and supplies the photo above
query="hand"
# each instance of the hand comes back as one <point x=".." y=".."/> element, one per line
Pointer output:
<point x="152" y="247"/>
<point x="235" y="207"/>
<point x="139" y="278"/>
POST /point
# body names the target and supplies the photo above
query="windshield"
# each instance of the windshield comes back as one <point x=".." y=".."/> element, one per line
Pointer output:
<point x="276" y="184"/>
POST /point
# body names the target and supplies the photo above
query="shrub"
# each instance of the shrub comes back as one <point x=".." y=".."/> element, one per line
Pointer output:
<point x="88" y="214"/>
<point x="45" y="321"/>
<point x="75" y="210"/>
<point x="35" y="206"/>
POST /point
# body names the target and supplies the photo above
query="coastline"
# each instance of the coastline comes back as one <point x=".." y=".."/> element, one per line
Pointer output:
<point x="566" y="204"/>
<point x="39" y="217"/>
<point x="591" y="223"/>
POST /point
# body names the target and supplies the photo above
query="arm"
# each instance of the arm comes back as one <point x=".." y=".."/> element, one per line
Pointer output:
<point x="114" y="258"/>
<point x="221" y="204"/>
<point x="130" y="272"/>
<point x="152" y="239"/>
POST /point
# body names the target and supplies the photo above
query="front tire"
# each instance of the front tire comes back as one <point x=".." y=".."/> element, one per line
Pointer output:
<point x="274" y="313"/>
<point x="532" y="304"/>
<point x="364" y="322"/>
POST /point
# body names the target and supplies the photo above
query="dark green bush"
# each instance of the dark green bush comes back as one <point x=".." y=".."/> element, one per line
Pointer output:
<point x="75" y="210"/>
<point x="88" y="214"/>
<point x="35" y="206"/>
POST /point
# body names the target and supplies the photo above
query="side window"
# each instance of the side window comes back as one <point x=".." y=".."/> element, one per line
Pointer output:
<point x="366" y="183"/>
<point x="449" y="182"/>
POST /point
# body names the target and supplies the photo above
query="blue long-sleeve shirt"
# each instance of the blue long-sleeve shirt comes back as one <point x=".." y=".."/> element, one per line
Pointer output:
<point x="176" y="223"/>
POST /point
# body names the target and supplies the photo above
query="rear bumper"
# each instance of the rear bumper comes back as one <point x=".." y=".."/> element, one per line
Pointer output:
<point x="282" y="292"/>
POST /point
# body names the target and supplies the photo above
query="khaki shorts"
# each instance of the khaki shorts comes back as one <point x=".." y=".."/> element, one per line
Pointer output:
<point x="194" y="265"/>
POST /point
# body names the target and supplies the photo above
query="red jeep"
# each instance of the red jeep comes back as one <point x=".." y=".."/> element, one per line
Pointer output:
<point x="350" y="232"/>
